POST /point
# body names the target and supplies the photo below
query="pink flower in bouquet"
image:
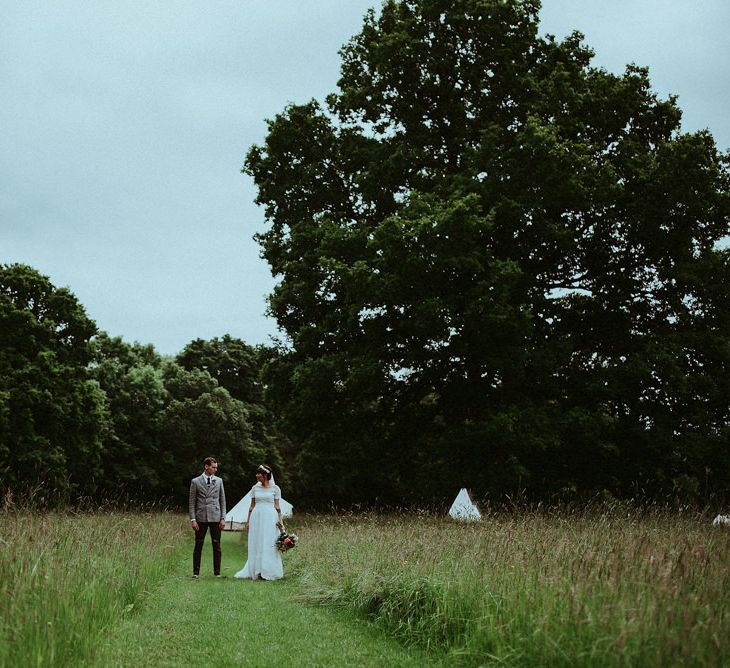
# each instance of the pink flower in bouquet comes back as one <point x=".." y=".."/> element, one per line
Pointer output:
<point x="286" y="541"/>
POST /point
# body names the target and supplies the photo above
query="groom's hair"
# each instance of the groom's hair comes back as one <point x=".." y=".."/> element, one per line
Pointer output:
<point x="209" y="460"/>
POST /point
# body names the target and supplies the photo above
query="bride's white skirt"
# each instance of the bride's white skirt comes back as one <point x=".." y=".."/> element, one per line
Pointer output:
<point x="264" y="560"/>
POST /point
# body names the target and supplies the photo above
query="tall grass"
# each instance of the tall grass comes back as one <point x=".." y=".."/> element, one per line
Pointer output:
<point x="65" y="577"/>
<point x="531" y="588"/>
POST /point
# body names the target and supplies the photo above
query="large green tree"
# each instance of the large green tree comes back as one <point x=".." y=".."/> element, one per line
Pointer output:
<point x="132" y="462"/>
<point x="237" y="368"/>
<point x="51" y="413"/>
<point x="497" y="265"/>
<point x="230" y="361"/>
<point x="163" y="419"/>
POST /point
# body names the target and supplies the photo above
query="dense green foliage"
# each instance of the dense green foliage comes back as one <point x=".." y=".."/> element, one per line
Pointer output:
<point x="51" y="413"/>
<point x="83" y="414"/>
<point x="237" y="368"/>
<point x="496" y="263"/>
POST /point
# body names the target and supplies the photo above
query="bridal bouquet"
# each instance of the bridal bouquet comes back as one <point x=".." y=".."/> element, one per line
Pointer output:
<point x="286" y="541"/>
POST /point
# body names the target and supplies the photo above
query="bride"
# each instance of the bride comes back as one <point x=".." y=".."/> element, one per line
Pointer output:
<point x="264" y="513"/>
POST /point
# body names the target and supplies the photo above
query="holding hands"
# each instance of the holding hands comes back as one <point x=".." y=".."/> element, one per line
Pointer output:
<point x="196" y="527"/>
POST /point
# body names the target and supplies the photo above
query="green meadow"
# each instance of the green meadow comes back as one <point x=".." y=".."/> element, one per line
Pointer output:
<point x="592" y="588"/>
<point x="522" y="588"/>
<point x="65" y="577"/>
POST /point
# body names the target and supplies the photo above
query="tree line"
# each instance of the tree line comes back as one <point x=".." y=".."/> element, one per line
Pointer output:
<point x="498" y="266"/>
<point x="84" y="415"/>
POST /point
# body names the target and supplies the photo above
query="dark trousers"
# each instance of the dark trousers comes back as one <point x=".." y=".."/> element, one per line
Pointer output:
<point x="215" y="536"/>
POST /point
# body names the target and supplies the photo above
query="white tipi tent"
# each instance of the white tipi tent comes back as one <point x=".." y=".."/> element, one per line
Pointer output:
<point x="236" y="516"/>
<point x="463" y="507"/>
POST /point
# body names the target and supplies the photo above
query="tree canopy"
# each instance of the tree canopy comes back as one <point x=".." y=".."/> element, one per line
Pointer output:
<point x="497" y="264"/>
<point x="230" y="361"/>
<point x="51" y="413"/>
<point x="87" y="415"/>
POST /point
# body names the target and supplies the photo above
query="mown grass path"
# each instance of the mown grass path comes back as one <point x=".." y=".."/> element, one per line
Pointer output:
<point x="228" y="622"/>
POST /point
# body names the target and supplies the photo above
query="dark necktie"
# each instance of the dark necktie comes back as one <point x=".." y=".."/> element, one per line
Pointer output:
<point x="208" y="479"/>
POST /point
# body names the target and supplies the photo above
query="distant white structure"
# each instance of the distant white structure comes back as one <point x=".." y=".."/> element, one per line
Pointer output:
<point x="463" y="507"/>
<point x="236" y="516"/>
<point x="721" y="521"/>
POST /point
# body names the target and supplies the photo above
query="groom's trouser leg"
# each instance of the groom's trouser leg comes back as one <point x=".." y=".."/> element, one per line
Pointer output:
<point x="198" y="550"/>
<point x="215" y="536"/>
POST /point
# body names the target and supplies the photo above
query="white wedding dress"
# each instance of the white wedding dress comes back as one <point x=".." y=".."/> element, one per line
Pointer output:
<point x="264" y="560"/>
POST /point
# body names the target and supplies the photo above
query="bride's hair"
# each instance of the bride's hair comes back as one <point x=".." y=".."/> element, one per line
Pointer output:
<point x="264" y="469"/>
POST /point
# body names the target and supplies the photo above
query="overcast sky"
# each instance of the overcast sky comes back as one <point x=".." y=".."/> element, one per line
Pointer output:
<point x="123" y="127"/>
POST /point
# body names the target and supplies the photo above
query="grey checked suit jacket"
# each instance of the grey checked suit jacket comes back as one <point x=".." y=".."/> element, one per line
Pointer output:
<point x="207" y="502"/>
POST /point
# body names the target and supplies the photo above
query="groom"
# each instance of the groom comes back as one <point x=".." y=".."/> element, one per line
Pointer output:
<point x="207" y="511"/>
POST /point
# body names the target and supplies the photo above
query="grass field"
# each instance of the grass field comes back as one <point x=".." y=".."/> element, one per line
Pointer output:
<point x="531" y="589"/>
<point x="102" y="590"/>
<point x="66" y="576"/>
<point x="518" y="589"/>
<point x="235" y="623"/>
